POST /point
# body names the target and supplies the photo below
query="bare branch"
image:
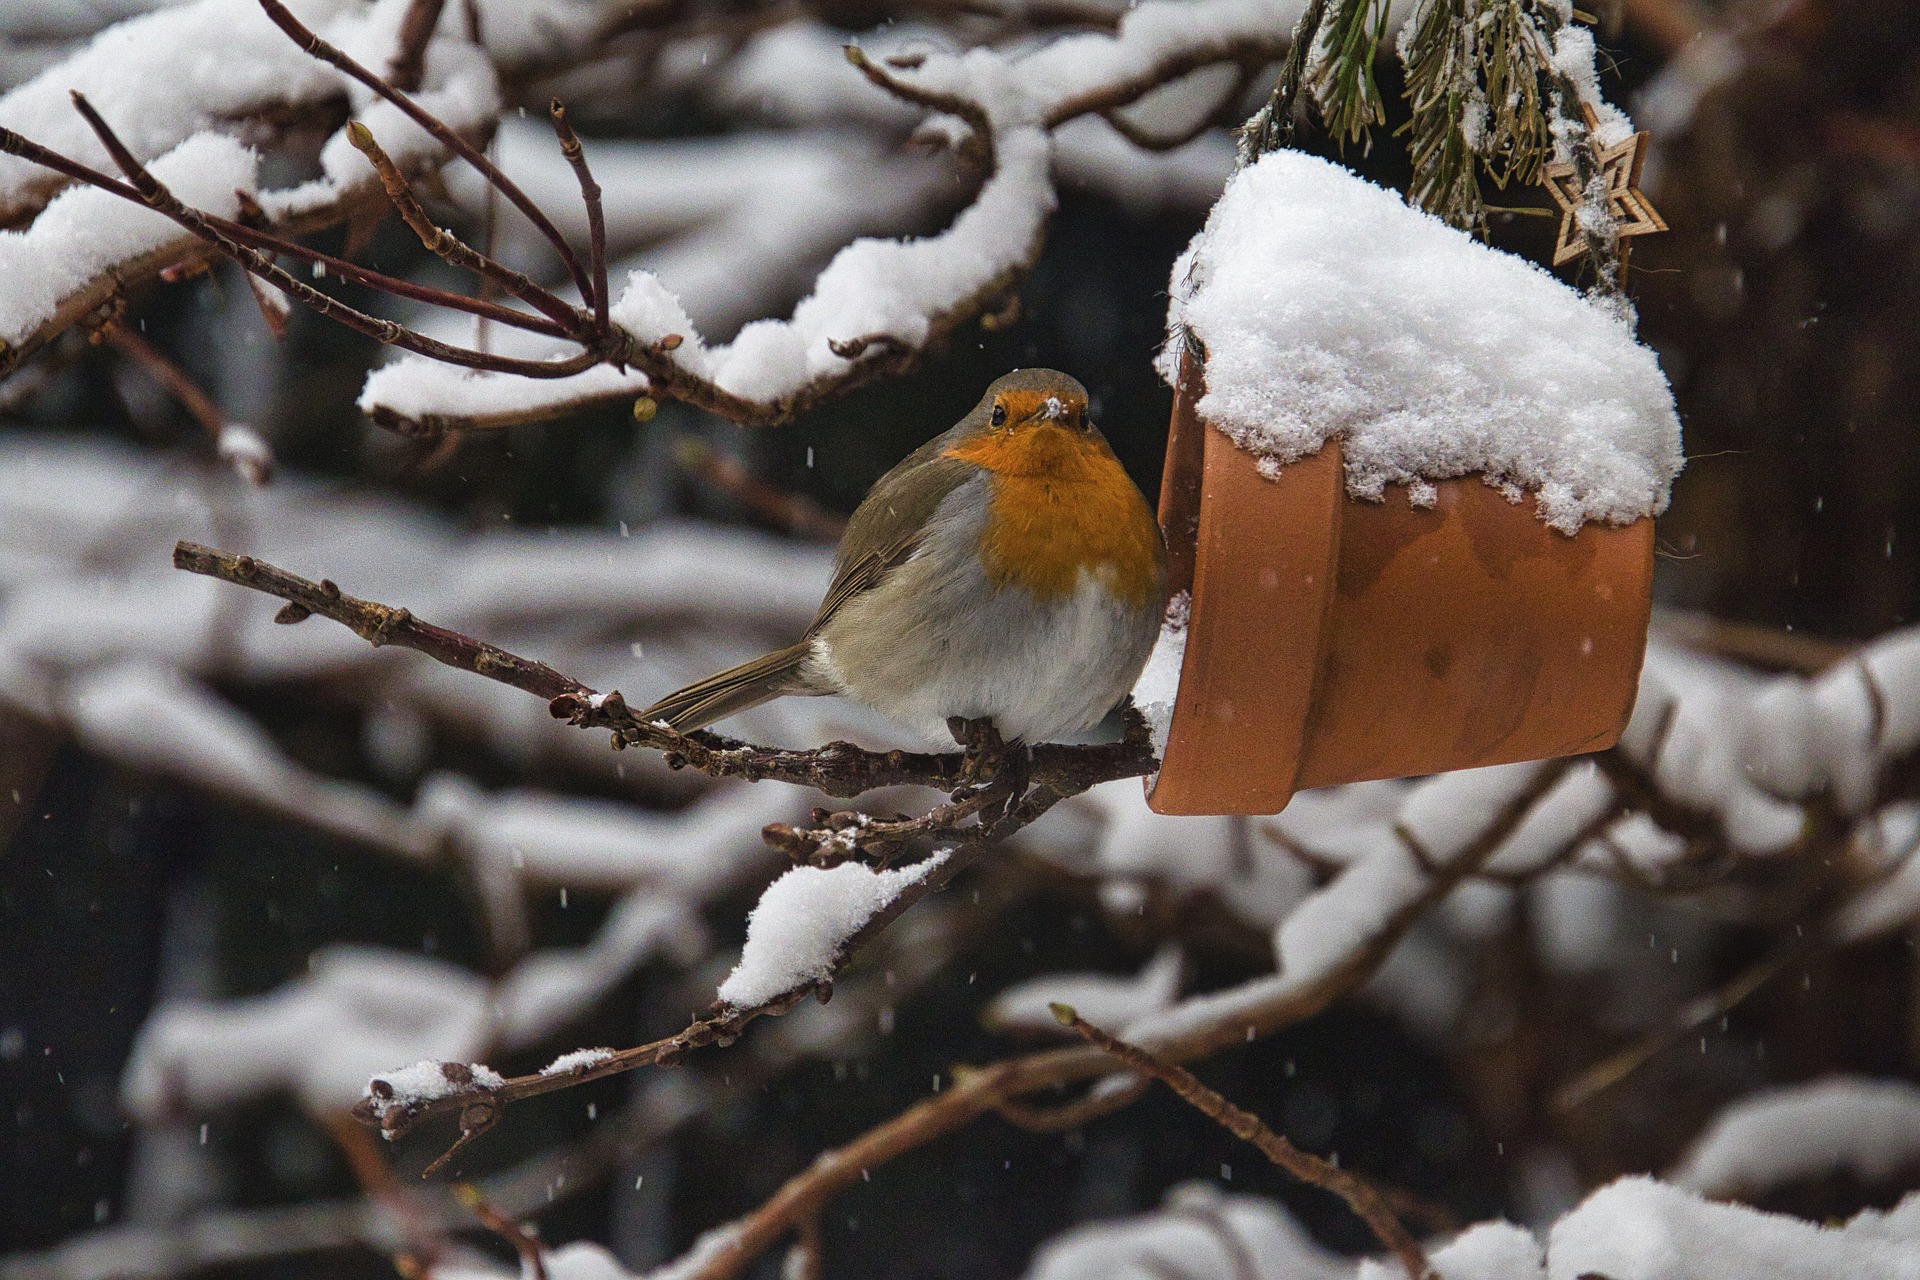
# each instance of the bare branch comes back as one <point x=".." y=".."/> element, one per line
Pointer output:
<point x="532" y="1257"/>
<point x="148" y="190"/>
<point x="1361" y="1196"/>
<point x="793" y="512"/>
<point x="1169" y="65"/>
<point x="451" y="140"/>
<point x="837" y="769"/>
<point x="195" y="401"/>
<point x="367" y="278"/>
<point x="452" y="249"/>
<point x="596" y="216"/>
<point x="409" y="65"/>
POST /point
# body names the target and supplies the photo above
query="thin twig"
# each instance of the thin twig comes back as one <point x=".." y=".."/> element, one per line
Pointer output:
<point x="447" y="137"/>
<point x="422" y="1237"/>
<point x="952" y="104"/>
<point x="354" y="273"/>
<point x="1691" y="1016"/>
<point x="793" y="513"/>
<point x="253" y="238"/>
<point x="450" y="248"/>
<point x="1361" y="1196"/>
<point x="596" y="216"/>
<point x="148" y="190"/>
<point x="1166" y="67"/>
<point x="1272" y="127"/>
<point x="1147" y="140"/>
<point x="532" y="1257"/>
<point x="1072" y="1115"/>
<point x="479" y="1105"/>
<point x="409" y="65"/>
<point x="182" y="388"/>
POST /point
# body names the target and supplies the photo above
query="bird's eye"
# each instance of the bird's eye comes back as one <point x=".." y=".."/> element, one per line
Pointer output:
<point x="999" y="415"/>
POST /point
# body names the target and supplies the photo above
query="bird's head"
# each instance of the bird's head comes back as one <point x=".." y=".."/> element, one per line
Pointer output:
<point x="1031" y="422"/>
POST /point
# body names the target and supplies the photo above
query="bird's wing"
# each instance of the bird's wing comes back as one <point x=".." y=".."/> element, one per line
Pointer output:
<point x="887" y="527"/>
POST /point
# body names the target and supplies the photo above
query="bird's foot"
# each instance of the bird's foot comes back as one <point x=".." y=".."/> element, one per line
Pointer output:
<point x="985" y="750"/>
<point x="992" y="764"/>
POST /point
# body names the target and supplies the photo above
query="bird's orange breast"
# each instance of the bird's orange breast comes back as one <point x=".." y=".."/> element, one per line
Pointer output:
<point x="1062" y="504"/>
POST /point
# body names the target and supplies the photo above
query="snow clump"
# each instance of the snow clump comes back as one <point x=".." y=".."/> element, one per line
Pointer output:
<point x="804" y="918"/>
<point x="1328" y="308"/>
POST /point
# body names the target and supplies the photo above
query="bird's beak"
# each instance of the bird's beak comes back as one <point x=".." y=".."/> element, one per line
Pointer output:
<point x="1051" y="410"/>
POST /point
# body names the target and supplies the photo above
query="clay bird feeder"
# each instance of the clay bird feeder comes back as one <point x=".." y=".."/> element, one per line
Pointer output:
<point x="1457" y="572"/>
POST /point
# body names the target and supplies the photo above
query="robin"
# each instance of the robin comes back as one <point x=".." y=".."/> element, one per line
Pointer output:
<point x="1007" y="569"/>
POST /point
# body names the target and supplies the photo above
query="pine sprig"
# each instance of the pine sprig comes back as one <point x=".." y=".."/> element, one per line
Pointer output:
<point x="1513" y="37"/>
<point x="1271" y="127"/>
<point x="1496" y="90"/>
<point x="1341" y="73"/>
<point x="1487" y="100"/>
<point x="1449" y="123"/>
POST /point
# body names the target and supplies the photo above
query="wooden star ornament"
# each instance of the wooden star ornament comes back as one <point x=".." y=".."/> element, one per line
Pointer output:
<point x="1632" y="213"/>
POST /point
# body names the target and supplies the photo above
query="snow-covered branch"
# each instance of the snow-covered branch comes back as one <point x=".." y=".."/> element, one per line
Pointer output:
<point x="872" y="311"/>
<point x="85" y="247"/>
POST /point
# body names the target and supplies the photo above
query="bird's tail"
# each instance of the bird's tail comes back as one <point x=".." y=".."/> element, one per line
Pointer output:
<point x="734" y="690"/>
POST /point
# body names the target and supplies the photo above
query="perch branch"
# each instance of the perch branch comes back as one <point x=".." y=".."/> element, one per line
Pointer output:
<point x="1361" y="1196"/>
<point x="1017" y="792"/>
<point x="838" y="769"/>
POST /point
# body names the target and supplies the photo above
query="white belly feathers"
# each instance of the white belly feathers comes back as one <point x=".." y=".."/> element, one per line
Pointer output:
<point x="935" y="639"/>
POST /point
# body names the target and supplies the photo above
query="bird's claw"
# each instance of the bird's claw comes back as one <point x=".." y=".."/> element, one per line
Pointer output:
<point x="990" y="764"/>
<point x="985" y="752"/>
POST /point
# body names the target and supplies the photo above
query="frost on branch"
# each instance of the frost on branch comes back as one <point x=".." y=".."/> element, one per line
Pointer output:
<point x="1328" y="308"/>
